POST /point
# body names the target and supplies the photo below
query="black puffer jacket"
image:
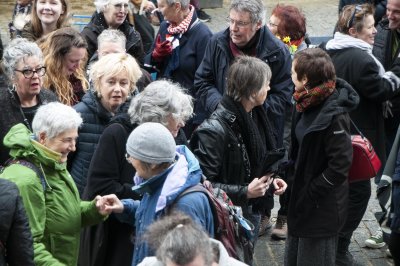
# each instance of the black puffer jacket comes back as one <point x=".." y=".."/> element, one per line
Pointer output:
<point x="318" y="200"/>
<point x="95" y="118"/>
<point x="16" y="244"/>
<point x="11" y="114"/>
<point x="96" y="26"/>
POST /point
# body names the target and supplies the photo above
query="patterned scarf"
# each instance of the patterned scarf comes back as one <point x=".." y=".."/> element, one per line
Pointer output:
<point x="312" y="97"/>
<point x="183" y="26"/>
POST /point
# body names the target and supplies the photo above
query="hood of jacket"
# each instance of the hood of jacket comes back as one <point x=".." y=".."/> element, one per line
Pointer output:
<point x="22" y="144"/>
<point x="184" y="173"/>
<point x="344" y="100"/>
<point x="93" y="103"/>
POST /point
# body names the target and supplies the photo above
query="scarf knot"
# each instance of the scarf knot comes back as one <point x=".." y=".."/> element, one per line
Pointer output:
<point x="306" y="98"/>
<point x="183" y="26"/>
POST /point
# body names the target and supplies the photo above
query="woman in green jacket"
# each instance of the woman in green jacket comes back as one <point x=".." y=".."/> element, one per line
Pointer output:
<point x="55" y="211"/>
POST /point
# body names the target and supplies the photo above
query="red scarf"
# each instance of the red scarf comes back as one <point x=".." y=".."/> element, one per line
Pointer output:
<point x="183" y="26"/>
<point x="312" y="97"/>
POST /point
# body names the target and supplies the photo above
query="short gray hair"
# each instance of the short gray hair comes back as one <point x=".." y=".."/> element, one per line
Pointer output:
<point x="101" y="5"/>
<point x="113" y="36"/>
<point x="158" y="100"/>
<point x="55" y="118"/>
<point x="246" y="76"/>
<point x="184" y="3"/>
<point x="256" y="8"/>
<point x="17" y="50"/>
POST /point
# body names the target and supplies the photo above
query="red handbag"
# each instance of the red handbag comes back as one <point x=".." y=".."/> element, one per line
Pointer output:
<point x="366" y="163"/>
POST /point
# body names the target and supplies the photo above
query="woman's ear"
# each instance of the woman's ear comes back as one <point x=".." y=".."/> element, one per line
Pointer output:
<point x="42" y="138"/>
<point x="304" y="80"/>
<point x="352" y="32"/>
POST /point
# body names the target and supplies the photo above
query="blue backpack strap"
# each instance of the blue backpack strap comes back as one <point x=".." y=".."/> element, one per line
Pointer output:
<point x="31" y="166"/>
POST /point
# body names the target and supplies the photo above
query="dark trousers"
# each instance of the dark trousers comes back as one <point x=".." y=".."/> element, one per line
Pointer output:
<point x="359" y="194"/>
<point x="394" y="247"/>
<point x="195" y="3"/>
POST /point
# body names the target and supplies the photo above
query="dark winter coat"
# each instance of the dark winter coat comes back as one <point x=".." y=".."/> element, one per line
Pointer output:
<point x="16" y="244"/>
<point x="361" y="71"/>
<point x="211" y="76"/>
<point x="11" y="114"/>
<point x="192" y="46"/>
<point x="95" y="118"/>
<point x="318" y="201"/>
<point x="110" y="243"/>
<point x="96" y="26"/>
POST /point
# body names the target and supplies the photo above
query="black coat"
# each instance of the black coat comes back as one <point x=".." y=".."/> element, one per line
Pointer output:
<point x="15" y="234"/>
<point x="11" y="114"/>
<point x="95" y="119"/>
<point x="360" y="70"/>
<point x="96" y="26"/>
<point x="319" y="187"/>
<point x="110" y="242"/>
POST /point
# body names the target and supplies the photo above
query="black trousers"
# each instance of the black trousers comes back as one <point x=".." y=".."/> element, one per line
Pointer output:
<point x="359" y="194"/>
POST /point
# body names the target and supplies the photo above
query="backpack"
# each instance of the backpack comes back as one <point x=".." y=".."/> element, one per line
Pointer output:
<point x="230" y="227"/>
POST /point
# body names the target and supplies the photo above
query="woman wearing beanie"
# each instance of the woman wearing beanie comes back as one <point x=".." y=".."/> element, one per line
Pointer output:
<point x="163" y="171"/>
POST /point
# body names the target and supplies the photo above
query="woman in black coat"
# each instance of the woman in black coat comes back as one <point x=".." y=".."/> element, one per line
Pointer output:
<point x="110" y="242"/>
<point x="351" y="53"/>
<point x="321" y="152"/>
<point x="16" y="244"/>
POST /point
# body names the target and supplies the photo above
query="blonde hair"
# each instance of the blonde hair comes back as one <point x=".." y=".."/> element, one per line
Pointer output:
<point x="55" y="47"/>
<point x="111" y="65"/>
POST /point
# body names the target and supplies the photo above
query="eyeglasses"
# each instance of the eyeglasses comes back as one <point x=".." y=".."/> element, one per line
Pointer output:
<point x="119" y="6"/>
<point x="239" y="24"/>
<point x="28" y="73"/>
<point x="358" y="8"/>
<point x="272" y="24"/>
<point x="128" y="157"/>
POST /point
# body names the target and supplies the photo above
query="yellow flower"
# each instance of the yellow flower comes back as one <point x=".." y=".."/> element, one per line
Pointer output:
<point x="286" y="39"/>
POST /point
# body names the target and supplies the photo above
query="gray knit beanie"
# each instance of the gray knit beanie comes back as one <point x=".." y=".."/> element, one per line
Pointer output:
<point x="151" y="143"/>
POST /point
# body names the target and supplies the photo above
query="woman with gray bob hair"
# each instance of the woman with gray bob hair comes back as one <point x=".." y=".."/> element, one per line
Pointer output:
<point x="163" y="102"/>
<point x="55" y="118"/>
<point x="55" y="212"/>
<point x="24" y="69"/>
<point x="256" y="9"/>
<point x="109" y="172"/>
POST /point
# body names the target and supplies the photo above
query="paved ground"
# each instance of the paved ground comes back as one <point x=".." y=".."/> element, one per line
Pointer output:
<point x="321" y="16"/>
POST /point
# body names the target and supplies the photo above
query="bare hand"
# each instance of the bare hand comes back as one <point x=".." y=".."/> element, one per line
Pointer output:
<point x="108" y="204"/>
<point x="280" y="186"/>
<point x="259" y="186"/>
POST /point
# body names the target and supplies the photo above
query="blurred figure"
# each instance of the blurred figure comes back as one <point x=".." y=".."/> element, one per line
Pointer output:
<point x="112" y="14"/>
<point x="163" y="172"/>
<point x="21" y="15"/>
<point x="140" y="18"/>
<point x="23" y="93"/>
<point x="65" y="57"/>
<point x="55" y="212"/>
<point x="176" y="239"/>
<point x="179" y="48"/>
<point x="109" y="243"/>
<point x="47" y="16"/>
<point x="16" y="245"/>
<point x="113" y="79"/>
<point x="321" y="153"/>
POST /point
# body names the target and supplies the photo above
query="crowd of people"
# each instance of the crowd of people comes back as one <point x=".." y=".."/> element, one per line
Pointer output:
<point x="108" y="127"/>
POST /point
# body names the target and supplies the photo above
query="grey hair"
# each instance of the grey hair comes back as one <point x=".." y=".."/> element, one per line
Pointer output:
<point x="177" y="238"/>
<point x="158" y="100"/>
<point x="246" y="76"/>
<point x="113" y="36"/>
<point x="101" y="5"/>
<point x="256" y="8"/>
<point x="184" y="3"/>
<point x="17" y="50"/>
<point x="55" y="118"/>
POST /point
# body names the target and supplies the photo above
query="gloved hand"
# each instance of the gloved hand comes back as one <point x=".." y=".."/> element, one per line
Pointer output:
<point x="161" y="50"/>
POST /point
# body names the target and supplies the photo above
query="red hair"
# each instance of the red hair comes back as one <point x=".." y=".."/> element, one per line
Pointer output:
<point x="292" y="21"/>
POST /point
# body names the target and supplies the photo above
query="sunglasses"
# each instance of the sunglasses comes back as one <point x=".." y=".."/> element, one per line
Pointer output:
<point x="357" y="9"/>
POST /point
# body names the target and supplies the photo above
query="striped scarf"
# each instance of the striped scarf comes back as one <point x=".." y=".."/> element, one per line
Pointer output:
<point x="183" y="26"/>
<point x="312" y="97"/>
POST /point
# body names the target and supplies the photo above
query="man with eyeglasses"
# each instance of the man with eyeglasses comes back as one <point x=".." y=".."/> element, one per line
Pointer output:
<point x="247" y="34"/>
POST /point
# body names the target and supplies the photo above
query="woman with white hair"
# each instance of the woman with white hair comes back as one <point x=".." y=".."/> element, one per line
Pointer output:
<point x="51" y="199"/>
<point x="24" y="69"/>
<point x="113" y="82"/>
<point x="161" y="101"/>
<point x="112" y="14"/>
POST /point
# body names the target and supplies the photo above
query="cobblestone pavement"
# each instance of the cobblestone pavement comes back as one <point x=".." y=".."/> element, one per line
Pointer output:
<point x="321" y="17"/>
